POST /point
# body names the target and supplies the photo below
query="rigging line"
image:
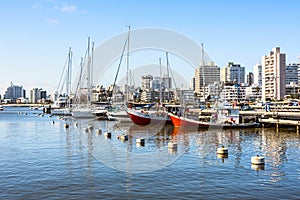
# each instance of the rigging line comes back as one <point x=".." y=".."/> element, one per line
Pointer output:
<point x="131" y="75"/>
<point x="172" y="75"/>
<point x="63" y="72"/>
<point x="119" y="64"/>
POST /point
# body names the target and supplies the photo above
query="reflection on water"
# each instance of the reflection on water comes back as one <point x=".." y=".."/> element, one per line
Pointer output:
<point x="45" y="160"/>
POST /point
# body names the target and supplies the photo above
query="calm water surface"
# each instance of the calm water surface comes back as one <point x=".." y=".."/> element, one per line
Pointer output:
<point x="40" y="158"/>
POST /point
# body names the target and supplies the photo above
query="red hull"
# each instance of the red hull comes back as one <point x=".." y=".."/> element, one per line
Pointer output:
<point x="184" y="122"/>
<point x="144" y="119"/>
<point x="177" y="121"/>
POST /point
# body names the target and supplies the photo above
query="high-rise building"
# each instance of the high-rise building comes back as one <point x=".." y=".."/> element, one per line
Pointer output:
<point x="14" y="92"/>
<point x="291" y="74"/>
<point x="205" y="75"/>
<point x="37" y="95"/>
<point x="273" y="75"/>
<point x="257" y="73"/>
<point x="250" y="78"/>
<point x="234" y="73"/>
<point x="146" y="82"/>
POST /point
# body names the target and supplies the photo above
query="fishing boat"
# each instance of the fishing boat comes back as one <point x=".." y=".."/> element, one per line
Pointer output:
<point x="143" y="115"/>
<point x="225" y="117"/>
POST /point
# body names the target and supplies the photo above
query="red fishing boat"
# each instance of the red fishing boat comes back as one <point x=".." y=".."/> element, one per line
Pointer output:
<point x="221" y="118"/>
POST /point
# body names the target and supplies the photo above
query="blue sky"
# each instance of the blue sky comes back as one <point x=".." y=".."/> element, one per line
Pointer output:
<point x="35" y="34"/>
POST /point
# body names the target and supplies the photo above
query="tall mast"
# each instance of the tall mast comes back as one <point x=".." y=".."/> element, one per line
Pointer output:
<point x="88" y="73"/>
<point x="68" y="81"/>
<point x="127" y="71"/>
<point x="92" y="65"/>
<point x="160" y="93"/>
<point x="168" y="77"/>
<point x="203" y="73"/>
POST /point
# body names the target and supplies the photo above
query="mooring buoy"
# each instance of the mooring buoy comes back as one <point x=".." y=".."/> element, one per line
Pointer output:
<point x="172" y="145"/>
<point x="66" y="125"/>
<point x="257" y="160"/>
<point x="99" y="131"/>
<point x="124" y="137"/>
<point x="222" y="150"/>
<point x="107" y="134"/>
<point x="140" y="140"/>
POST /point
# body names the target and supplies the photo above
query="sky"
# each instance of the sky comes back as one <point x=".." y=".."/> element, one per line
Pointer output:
<point x="36" y="34"/>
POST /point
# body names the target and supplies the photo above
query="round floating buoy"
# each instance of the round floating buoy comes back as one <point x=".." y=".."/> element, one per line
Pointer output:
<point x="257" y="167"/>
<point x="222" y="150"/>
<point x="172" y="145"/>
<point x="66" y="125"/>
<point x="222" y="156"/>
<point x="75" y="124"/>
<point x="53" y="121"/>
<point x="99" y="131"/>
<point x="124" y="137"/>
<point x="90" y="127"/>
<point x="257" y="160"/>
<point x="107" y="134"/>
<point x="140" y="140"/>
<point x="85" y="129"/>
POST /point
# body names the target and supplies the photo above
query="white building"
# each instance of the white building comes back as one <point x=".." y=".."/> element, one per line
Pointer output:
<point x="257" y="73"/>
<point x="233" y="93"/>
<point x="273" y="75"/>
<point x="206" y="75"/>
<point x="254" y="92"/>
<point x="234" y="73"/>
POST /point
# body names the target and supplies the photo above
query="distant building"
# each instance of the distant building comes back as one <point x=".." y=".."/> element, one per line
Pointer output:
<point x="234" y="92"/>
<point x="14" y="92"/>
<point x="250" y="78"/>
<point x="253" y="92"/>
<point x="205" y="75"/>
<point x="146" y="82"/>
<point x="234" y="73"/>
<point x="257" y="74"/>
<point x="291" y="74"/>
<point x="273" y="75"/>
<point x="38" y="95"/>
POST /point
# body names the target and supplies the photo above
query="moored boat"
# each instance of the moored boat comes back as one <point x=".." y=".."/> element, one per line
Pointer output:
<point x="221" y="118"/>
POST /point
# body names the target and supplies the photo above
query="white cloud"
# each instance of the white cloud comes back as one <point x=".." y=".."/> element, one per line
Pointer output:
<point x="68" y="8"/>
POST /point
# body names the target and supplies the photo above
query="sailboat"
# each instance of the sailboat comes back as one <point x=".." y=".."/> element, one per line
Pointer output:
<point x="62" y="105"/>
<point x="118" y="112"/>
<point x="83" y="107"/>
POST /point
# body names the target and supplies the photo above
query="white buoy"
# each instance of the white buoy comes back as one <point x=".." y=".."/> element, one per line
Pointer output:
<point x="222" y="156"/>
<point x="90" y="127"/>
<point x="124" y="137"/>
<point x="84" y="129"/>
<point x="257" y="160"/>
<point x="172" y="145"/>
<point x="140" y="140"/>
<point x="75" y="124"/>
<point x="222" y="150"/>
<point x="107" y="134"/>
<point x="99" y="131"/>
<point x="66" y="125"/>
<point x="257" y="167"/>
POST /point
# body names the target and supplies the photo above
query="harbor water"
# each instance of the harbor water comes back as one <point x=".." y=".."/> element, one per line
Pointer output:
<point x="42" y="158"/>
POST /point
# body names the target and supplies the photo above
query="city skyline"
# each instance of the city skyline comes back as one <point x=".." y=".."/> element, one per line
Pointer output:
<point x="38" y="33"/>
